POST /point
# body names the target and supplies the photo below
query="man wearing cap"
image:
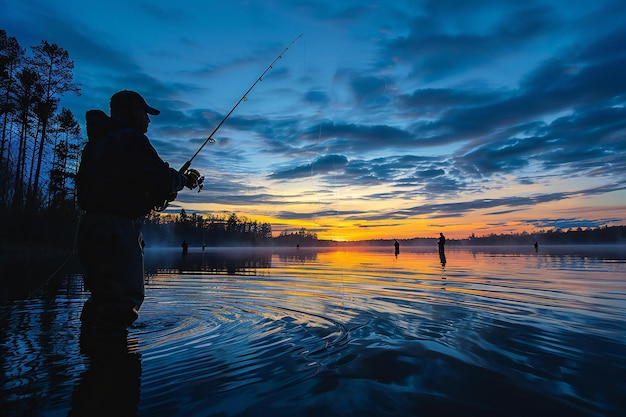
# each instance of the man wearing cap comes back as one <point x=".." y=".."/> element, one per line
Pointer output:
<point x="120" y="179"/>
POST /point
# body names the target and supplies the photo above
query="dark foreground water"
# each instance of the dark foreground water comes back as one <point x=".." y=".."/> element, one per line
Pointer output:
<point x="505" y="332"/>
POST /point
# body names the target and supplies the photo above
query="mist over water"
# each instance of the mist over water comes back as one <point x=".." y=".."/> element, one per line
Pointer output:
<point x="244" y="332"/>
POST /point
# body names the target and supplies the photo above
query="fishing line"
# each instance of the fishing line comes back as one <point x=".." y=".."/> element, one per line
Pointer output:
<point x="184" y="169"/>
<point x="244" y="97"/>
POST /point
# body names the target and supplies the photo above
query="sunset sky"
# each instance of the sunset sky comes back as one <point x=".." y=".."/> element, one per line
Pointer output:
<point x="390" y="119"/>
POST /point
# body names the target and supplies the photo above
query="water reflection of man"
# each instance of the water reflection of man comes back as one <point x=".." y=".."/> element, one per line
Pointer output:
<point x="442" y="258"/>
<point x="120" y="179"/>
<point x="110" y="385"/>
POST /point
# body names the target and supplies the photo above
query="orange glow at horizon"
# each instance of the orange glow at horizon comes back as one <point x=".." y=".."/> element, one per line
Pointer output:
<point x="344" y="226"/>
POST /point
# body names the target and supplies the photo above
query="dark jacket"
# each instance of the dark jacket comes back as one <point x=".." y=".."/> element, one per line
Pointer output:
<point x="120" y="171"/>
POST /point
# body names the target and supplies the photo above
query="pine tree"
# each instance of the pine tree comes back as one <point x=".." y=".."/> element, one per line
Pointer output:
<point x="11" y="57"/>
<point x="66" y="156"/>
<point x="28" y="94"/>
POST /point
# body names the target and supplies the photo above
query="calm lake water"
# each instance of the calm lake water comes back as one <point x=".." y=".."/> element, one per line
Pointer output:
<point x="337" y="332"/>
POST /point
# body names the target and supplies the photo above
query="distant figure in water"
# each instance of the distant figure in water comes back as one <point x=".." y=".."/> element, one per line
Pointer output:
<point x="185" y="246"/>
<point x="536" y="245"/>
<point x="120" y="179"/>
<point x="396" y="245"/>
<point x="441" y="242"/>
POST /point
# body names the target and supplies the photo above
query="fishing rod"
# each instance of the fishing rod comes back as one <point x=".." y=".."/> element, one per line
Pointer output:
<point x="244" y="97"/>
<point x="184" y="169"/>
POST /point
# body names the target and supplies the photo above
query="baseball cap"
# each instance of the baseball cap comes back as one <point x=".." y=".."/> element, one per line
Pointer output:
<point x="122" y="99"/>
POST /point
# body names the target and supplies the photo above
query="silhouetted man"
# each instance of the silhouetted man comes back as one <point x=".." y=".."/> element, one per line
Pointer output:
<point x="441" y="242"/>
<point x="120" y="179"/>
<point x="396" y="245"/>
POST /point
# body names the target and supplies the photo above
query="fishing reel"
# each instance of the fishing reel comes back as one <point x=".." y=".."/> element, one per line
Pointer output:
<point x="194" y="179"/>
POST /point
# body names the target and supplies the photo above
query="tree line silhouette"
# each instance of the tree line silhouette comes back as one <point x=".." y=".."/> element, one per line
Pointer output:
<point x="588" y="236"/>
<point x="219" y="230"/>
<point x="204" y="230"/>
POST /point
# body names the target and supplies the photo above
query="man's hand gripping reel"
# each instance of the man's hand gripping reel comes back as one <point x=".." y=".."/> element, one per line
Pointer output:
<point x="194" y="180"/>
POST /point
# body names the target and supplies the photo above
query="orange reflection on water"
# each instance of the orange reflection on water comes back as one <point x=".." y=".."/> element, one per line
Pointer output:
<point x="508" y="281"/>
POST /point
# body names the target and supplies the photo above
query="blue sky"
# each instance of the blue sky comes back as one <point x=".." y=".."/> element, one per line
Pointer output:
<point x="391" y="119"/>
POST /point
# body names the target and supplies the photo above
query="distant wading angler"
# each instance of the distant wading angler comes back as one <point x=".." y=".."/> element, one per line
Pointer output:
<point x="441" y="243"/>
<point x="120" y="179"/>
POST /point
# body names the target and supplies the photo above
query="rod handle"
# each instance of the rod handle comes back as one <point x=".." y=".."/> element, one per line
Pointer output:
<point x="185" y="167"/>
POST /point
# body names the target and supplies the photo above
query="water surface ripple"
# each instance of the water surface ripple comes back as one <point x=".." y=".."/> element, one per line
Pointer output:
<point x="338" y="332"/>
